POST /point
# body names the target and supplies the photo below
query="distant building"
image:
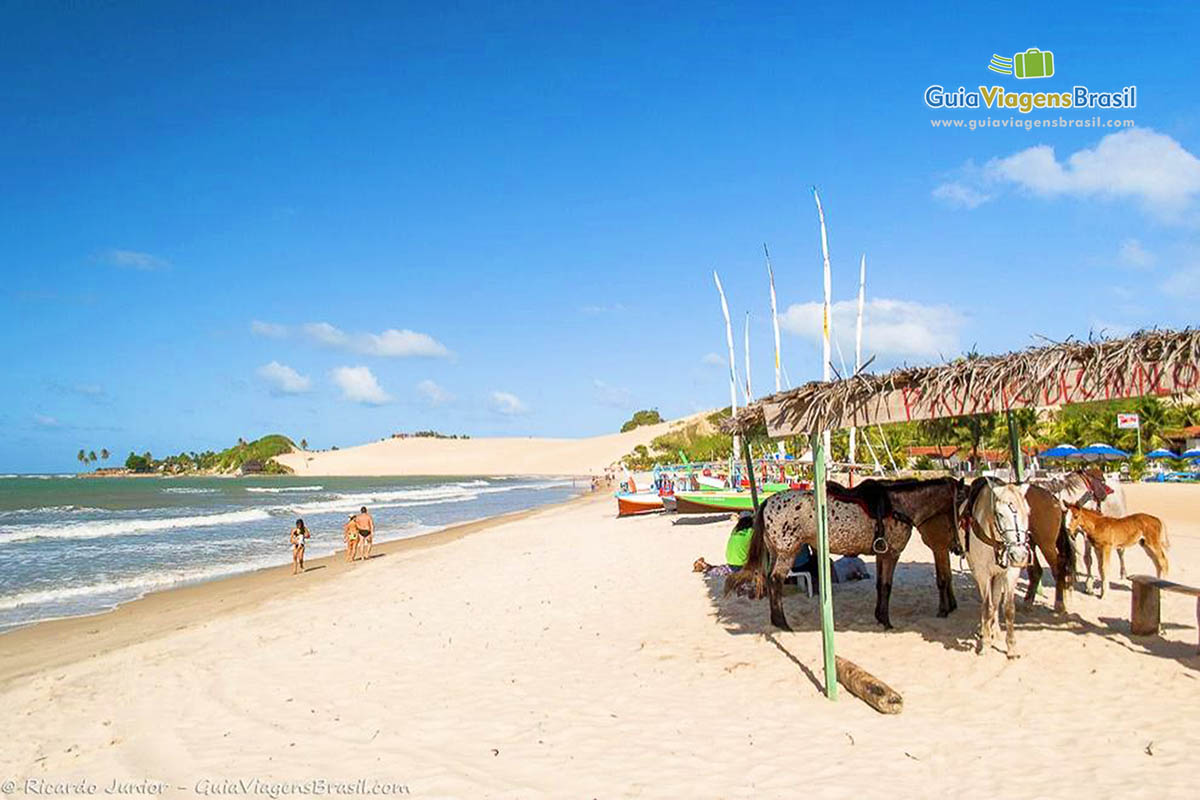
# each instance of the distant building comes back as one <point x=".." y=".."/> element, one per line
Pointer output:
<point x="1182" y="439"/>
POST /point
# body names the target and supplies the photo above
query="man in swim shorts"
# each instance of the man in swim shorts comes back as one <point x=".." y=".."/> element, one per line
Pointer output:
<point x="365" y="525"/>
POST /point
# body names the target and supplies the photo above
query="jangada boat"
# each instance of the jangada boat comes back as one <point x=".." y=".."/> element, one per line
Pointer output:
<point x="629" y="504"/>
<point x="726" y="502"/>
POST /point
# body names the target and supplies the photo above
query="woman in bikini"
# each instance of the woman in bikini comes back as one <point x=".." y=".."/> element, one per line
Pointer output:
<point x="298" y="536"/>
<point x="350" y="535"/>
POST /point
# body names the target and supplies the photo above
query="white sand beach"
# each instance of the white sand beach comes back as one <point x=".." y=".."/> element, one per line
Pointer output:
<point x="484" y="456"/>
<point x="566" y="653"/>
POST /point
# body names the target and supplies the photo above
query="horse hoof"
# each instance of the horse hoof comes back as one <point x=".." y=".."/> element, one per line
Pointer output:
<point x="1013" y="656"/>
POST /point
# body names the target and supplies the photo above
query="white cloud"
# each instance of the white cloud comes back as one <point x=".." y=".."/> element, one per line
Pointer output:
<point x="1139" y="164"/>
<point x="270" y="330"/>
<point x="891" y="328"/>
<point x="132" y="259"/>
<point x="404" y="344"/>
<point x="960" y="195"/>
<point x="615" y="396"/>
<point x="324" y="333"/>
<point x="435" y="395"/>
<point x="507" y="404"/>
<point x="713" y="360"/>
<point x="359" y="384"/>
<point x="1184" y="283"/>
<point x="390" y="343"/>
<point x="283" y="379"/>
<point x="1133" y="254"/>
<point x="615" y="308"/>
<point x="46" y="422"/>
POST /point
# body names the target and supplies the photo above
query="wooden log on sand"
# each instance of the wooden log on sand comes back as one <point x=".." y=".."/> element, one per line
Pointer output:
<point x="866" y="687"/>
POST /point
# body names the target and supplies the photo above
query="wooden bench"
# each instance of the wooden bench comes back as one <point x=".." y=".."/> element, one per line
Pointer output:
<point x="1144" y="609"/>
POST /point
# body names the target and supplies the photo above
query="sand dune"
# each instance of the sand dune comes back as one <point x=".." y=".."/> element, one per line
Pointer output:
<point x="488" y="456"/>
<point x="572" y="654"/>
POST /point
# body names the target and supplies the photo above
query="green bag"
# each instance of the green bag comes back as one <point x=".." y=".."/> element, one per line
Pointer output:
<point x="1033" y="63"/>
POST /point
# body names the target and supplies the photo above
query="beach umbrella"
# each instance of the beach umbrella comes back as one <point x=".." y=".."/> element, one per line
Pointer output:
<point x="1161" y="453"/>
<point x="1193" y="453"/>
<point x="1099" y="451"/>
<point x="1061" y="451"/>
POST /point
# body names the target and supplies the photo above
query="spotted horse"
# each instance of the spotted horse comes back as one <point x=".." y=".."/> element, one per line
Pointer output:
<point x="877" y="518"/>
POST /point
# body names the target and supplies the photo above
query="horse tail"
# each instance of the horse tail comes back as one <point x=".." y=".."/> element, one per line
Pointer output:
<point x="1065" y="545"/>
<point x="755" y="569"/>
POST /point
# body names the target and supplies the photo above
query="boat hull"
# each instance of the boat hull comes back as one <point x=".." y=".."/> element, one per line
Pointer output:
<point x="715" y="503"/>
<point x="630" y="504"/>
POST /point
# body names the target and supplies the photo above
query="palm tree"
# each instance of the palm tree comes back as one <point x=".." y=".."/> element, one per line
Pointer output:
<point x="92" y="455"/>
<point x="81" y="456"/>
<point x="104" y="453"/>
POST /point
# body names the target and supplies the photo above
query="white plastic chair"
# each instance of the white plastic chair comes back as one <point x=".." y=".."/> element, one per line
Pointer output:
<point x="802" y="577"/>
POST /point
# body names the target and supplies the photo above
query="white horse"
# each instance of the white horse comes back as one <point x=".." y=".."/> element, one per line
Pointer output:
<point x="997" y="549"/>
<point x="1074" y="489"/>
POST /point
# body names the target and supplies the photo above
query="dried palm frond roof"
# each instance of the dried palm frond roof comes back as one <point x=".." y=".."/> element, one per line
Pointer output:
<point x="1148" y="362"/>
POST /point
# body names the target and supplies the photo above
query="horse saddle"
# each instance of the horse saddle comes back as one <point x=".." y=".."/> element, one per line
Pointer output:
<point x="873" y="498"/>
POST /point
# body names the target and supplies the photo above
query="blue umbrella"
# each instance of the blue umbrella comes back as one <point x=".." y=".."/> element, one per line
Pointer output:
<point x="1101" y="452"/>
<point x="1061" y="451"/>
<point x="1195" y="451"/>
<point x="1161" y="453"/>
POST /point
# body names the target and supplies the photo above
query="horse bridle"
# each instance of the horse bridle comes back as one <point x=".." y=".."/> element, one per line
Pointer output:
<point x="1001" y="549"/>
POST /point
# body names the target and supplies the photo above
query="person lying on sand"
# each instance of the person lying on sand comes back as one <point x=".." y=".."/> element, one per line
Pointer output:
<point x="297" y="538"/>
<point x="350" y="536"/>
<point x="366" y="532"/>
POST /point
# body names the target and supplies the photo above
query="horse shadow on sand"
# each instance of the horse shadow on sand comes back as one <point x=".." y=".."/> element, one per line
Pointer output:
<point x="914" y="604"/>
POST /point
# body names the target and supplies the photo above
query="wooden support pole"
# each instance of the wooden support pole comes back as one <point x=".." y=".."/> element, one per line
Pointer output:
<point x="821" y="509"/>
<point x="1014" y="446"/>
<point x="750" y="472"/>
<point x="1144" y="607"/>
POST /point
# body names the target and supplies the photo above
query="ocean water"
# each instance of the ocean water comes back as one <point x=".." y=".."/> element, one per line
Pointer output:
<point x="71" y="546"/>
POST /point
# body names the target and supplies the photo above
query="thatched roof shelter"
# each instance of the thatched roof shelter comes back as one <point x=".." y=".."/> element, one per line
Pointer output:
<point x="1150" y="362"/>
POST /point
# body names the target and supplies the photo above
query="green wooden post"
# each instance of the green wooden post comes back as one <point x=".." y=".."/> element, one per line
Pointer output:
<point x="750" y="472"/>
<point x="1014" y="445"/>
<point x="823" y="578"/>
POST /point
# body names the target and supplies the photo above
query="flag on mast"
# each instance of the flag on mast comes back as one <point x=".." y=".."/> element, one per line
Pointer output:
<point x="825" y="321"/>
<point x="862" y="291"/>
<point x="749" y="389"/>
<point x="775" y="325"/>
<point x="732" y="373"/>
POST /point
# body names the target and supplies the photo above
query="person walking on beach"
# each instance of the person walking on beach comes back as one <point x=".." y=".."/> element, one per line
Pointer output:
<point x="298" y="536"/>
<point x="350" y="535"/>
<point x="366" y="532"/>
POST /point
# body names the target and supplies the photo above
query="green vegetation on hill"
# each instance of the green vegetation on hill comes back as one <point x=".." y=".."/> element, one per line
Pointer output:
<point x="245" y="456"/>
<point x="260" y="451"/>
<point x="649" y="416"/>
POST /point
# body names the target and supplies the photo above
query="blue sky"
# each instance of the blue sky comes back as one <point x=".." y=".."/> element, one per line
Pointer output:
<point x="337" y="221"/>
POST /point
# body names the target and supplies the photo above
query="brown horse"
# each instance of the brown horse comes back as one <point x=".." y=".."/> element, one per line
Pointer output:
<point x="787" y="520"/>
<point x="1050" y="537"/>
<point x="939" y="533"/>
<point x="1105" y="533"/>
